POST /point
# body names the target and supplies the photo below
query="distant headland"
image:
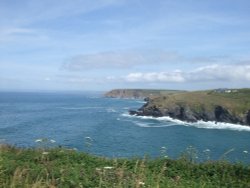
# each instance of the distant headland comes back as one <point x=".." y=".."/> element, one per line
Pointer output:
<point x="139" y="93"/>
<point x="219" y="105"/>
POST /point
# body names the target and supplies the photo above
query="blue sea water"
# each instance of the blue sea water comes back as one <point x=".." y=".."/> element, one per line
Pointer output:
<point x="69" y="118"/>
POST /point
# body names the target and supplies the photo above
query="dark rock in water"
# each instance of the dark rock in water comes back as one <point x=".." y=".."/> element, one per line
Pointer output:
<point x="247" y="120"/>
<point x="147" y="112"/>
<point x="133" y="112"/>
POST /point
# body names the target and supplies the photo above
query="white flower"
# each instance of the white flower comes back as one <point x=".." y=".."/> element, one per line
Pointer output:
<point x="108" y="167"/>
<point x="141" y="183"/>
<point x="245" y="151"/>
<point x="45" y="153"/>
<point x="206" y="150"/>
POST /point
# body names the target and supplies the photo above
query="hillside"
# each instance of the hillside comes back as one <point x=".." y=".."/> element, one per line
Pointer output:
<point x="231" y="106"/>
<point x="139" y="93"/>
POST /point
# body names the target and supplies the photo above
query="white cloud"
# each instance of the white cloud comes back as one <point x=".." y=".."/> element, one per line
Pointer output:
<point x="213" y="73"/>
<point x="19" y="21"/>
<point x="30" y="11"/>
<point x="15" y="30"/>
<point x="234" y="72"/>
<point x="175" y="76"/>
<point x="129" y="59"/>
<point x="102" y="60"/>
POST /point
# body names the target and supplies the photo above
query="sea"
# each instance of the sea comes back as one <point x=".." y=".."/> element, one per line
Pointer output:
<point x="89" y="122"/>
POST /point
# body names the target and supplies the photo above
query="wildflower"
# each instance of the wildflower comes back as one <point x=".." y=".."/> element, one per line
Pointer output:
<point x="45" y="153"/>
<point x="97" y="169"/>
<point x="108" y="167"/>
<point x="245" y="151"/>
<point x="206" y="150"/>
<point x="163" y="147"/>
<point x="141" y="183"/>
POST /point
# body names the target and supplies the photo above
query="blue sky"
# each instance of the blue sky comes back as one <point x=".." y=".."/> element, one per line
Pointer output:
<point x="105" y="44"/>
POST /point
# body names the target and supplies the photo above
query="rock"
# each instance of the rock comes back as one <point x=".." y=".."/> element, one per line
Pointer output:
<point x="232" y="107"/>
<point x="247" y="118"/>
<point x="185" y="113"/>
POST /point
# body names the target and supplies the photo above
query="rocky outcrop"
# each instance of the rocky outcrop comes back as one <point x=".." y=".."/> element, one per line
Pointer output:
<point x="187" y="113"/>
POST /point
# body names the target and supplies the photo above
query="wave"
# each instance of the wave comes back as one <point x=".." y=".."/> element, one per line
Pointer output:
<point x="141" y="102"/>
<point x="221" y="125"/>
<point x="151" y="125"/>
<point x="164" y="118"/>
<point x="198" y="124"/>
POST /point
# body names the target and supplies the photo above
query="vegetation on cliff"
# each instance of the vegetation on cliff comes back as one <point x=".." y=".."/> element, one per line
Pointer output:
<point x="139" y="93"/>
<point x="232" y="106"/>
<point x="60" y="167"/>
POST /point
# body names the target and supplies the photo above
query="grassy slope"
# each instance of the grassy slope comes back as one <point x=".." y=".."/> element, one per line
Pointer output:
<point x="236" y="103"/>
<point x="68" y="168"/>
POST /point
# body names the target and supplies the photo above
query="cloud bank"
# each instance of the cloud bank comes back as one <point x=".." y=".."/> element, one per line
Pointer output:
<point x="216" y="72"/>
<point x="129" y="59"/>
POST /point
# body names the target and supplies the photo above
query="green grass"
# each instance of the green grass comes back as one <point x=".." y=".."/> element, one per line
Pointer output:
<point x="237" y="103"/>
<point x="68" y="168"/>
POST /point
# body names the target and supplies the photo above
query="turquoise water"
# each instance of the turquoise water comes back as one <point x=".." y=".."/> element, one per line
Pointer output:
<point x="70" y="118"/>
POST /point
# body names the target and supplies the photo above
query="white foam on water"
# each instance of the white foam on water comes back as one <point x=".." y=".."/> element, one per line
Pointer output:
<point x="220" y="125"/>
<point x="141" y="102"/>
<point x="164" y="118"/>
<point x="150" y="125"/>
<point x="198" y="124"/>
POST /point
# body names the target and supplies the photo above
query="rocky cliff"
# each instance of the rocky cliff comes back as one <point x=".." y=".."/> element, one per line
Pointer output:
<point x="138" y="93"/>
<point x="202" y="105"/>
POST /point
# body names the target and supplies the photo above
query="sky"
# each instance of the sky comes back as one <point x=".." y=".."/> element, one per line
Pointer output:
<point x="79" y="45"/>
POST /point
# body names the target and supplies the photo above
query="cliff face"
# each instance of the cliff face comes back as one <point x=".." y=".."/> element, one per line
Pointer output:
<point x="126" y="93"/>
<point x="138" y="93"/>
<point x="206" y="106"/>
